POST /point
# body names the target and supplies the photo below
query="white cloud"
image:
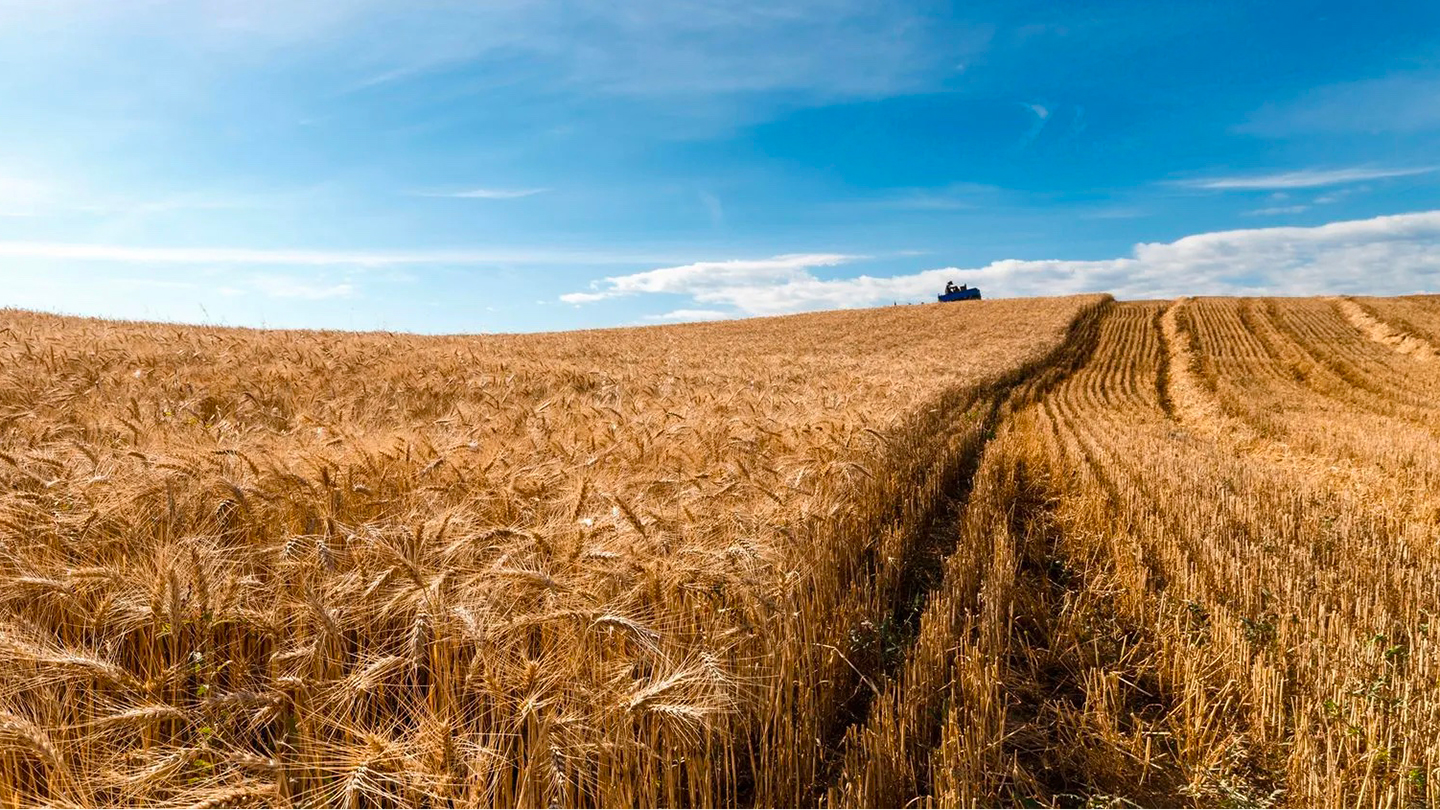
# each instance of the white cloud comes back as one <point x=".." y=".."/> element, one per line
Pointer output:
<point x="485" y="193"/>
<point x="705" y="278"/>
<point x="689" y="315"/>
<point x="700" y="277"/>
<point x="1381" y="256"/>
<point x="1305" y="178"/>
<point x="586" y="298"/>
<point x="722" y="273"/>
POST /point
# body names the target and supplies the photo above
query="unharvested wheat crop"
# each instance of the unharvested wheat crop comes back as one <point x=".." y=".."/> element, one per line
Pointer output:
<point x="623" y="567"/>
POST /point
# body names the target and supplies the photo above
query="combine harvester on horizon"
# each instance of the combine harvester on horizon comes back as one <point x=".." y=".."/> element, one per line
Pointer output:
<point x="961" y="293"/>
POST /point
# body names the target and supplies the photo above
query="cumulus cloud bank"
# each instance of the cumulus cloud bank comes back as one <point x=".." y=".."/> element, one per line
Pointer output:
<point x="1382" y="256"/>
<point x="705" y="279"/>
<point x="689" y="315"/>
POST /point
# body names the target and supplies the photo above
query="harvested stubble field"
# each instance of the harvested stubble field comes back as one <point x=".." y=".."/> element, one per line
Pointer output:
<point x="1065" y="551"/>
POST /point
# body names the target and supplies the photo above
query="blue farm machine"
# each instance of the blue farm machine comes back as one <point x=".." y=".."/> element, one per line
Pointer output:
<point x="961" y="293"/>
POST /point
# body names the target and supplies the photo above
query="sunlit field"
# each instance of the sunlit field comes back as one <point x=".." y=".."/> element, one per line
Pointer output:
<point x="1054" y="551"/>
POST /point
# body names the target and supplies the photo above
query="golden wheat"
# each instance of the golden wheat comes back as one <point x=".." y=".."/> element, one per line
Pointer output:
<point x="1201" y="571"/>
<point x="1055" y="552"/>
<point x="248" y="567"/>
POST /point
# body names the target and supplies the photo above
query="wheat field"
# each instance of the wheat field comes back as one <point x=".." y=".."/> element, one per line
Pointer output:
<point x="1062" y="551"/>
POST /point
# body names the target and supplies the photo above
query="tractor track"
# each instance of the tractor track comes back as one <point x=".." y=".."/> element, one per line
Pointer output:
<point x="923" y="573"/>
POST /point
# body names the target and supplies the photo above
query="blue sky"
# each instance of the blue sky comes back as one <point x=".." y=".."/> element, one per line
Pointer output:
<point x="517" y="166"/>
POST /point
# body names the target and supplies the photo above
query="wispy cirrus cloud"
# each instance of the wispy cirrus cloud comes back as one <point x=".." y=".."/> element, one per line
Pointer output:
<point x="811" y="48"/>
<point x="269" y="285"/>
<point x="277" y="286"/>
<point x="1042" y="117"/>
<point x="739" y="63"/>
<point x="1401" y="103"/>
<point x="130" y="254"/>
<point x="1275" y="210"/>
<point x="1304" y="178"/>
<point x="948" y="197"/>
<point x="1380" y="256"/>
<point x="484" y="193"/>
<point x="56" y="195"/>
